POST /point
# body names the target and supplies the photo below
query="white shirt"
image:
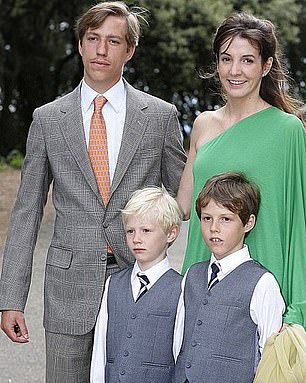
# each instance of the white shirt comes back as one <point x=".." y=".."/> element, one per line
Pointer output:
<point x="98" y="361"/>
<point x="267" y="304"/>
<point x="114" y="112"/>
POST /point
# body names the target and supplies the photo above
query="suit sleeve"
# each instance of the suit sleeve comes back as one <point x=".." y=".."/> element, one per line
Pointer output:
<point x="25" y="221"/>
<point x="174" y="156"/>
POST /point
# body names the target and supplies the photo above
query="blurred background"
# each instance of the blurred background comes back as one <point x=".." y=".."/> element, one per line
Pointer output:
<point x="39" y="60"/>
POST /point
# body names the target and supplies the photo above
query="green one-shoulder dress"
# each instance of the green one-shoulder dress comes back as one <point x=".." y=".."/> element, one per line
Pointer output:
<point x="270" y="148"/>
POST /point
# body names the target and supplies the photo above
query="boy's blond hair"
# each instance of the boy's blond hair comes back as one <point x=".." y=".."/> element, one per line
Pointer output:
<point x="156" y="204"/>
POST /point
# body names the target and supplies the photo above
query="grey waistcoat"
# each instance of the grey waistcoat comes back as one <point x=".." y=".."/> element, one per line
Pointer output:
<point x="220" y="337"/>
<point x="140" y="335"/>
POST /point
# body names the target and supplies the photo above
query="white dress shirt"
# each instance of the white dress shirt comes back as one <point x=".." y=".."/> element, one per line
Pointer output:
<point x="267" y="304"/>
<point x="114" y="112"/>
<point x="98" y="361"/>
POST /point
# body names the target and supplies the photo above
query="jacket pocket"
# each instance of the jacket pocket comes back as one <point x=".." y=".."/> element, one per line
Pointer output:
<point x="59" y="257"/>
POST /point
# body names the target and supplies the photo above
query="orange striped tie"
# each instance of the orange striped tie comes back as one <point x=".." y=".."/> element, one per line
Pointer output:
<point x="97" y="149"/>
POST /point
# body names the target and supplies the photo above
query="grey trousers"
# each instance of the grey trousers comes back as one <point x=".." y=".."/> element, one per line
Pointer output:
<point x="68" y="357"/>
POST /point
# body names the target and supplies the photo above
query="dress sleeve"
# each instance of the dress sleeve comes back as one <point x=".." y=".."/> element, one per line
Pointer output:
<point x="294" y="273"/>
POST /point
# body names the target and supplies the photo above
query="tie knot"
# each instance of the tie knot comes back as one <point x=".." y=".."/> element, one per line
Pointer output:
<point x="99" y="102"/>
<point x="215" y="269"/>
<point x="144" y="280"/>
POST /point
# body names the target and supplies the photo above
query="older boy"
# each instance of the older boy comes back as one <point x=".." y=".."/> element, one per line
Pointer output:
<point x="134" y="332"/>
<point x="232" y="304"/>
<point x="139" y="140"/>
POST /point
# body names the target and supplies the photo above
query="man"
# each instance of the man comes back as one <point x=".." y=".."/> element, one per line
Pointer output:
<point x="143" y="147"/>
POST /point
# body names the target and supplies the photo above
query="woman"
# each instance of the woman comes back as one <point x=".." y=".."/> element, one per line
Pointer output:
<point x="256" y="132"/>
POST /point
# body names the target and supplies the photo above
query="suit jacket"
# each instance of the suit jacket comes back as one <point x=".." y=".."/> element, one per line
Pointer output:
<point x="151" y="153"/>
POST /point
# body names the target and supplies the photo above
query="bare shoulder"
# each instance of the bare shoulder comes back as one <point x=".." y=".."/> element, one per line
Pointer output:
<point x="207" y="126"/>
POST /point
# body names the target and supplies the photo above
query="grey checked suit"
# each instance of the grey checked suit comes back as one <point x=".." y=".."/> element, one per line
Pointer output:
<point x="151" y="154"/>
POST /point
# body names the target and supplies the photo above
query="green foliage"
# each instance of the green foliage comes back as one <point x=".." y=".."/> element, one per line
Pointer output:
<point x="15" y="159"/>
<point x="283" y="14"/>
<point x="37" y="47"/>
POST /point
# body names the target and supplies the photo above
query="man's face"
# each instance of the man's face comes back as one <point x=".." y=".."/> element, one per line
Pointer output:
<point x="104" y="52"/>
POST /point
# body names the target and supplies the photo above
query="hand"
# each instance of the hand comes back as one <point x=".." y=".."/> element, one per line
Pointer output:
<point x="14" y="325"/>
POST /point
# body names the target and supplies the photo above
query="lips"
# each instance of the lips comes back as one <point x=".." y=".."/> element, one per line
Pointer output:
<point x="236" y="82"/>
<point x="100" y="62"/>
<point x="215" y="240"/>
<point x="138" y="250"/>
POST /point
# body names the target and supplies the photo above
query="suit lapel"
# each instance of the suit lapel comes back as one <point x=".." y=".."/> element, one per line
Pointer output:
<point x="72" y="128"/>
<point x="135" y="125"/>
<point x="73" y="132"/>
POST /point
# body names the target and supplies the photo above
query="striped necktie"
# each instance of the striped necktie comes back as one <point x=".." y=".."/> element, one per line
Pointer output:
<point x="144" y="281"/>
<point x="213" y="279"/>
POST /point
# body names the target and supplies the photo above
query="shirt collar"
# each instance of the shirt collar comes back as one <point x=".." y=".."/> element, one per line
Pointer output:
<point x="229" y="263"/>
<point x="115" y="95"/>
<point x="154" y="272"/>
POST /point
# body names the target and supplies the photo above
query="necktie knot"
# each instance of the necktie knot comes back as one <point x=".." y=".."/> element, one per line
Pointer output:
<point x="99" y="102"/>
<point x="215" y="268"/>
<point x="144" y="281"/>
<point x="214" y="275"/>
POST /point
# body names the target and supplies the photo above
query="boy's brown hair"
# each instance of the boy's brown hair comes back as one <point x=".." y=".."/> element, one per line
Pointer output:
<point x="96" y="15"/>
<point x="233" y="191"/>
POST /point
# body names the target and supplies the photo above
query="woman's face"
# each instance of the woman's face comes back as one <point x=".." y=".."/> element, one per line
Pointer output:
<point x="240" y="68"/>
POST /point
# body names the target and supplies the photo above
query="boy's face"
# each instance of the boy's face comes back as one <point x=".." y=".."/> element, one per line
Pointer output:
<point x="104" y="52"/>
<point x="223" y="230"/>
<point x="147" y="240"/>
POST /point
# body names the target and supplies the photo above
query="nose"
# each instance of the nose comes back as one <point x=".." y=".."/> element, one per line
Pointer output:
<point x="137" y="238"/>
<point x="235" y="68"/>
<point x="214" y="227"/>
<point x="102" y="48"/>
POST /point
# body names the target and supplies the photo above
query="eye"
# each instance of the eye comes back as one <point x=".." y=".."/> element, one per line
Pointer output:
<point x="248" y="60"/>
<point x="129" y="231"/>
<point x="225" y="219"/>
<point x="205" y="218"/>
<point x="224" y="59"/>
<point x="114" y="42"/>
<point x="146" y="230"/>
<point x="91" y="38"/>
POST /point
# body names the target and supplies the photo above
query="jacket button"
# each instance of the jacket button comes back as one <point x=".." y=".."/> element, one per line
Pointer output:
<point x="133" y="316"/>
<point x="105" y="225"/>
<point x="122" y="372"/>
<point x="188" y="365"/>
<point x="205" y="301"/>
<point x="126" y="353"/>
<point x="199" y="322"/>
<point x="129" y="335"/>
<point x="194" y="343"/>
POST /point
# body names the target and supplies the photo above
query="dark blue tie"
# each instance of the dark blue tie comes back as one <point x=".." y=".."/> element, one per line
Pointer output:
<point x="213" y="279"/>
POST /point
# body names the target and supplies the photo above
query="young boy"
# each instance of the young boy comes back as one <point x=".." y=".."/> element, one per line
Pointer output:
<point x="134" y="336"/>
<point x="232" y="304"/>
